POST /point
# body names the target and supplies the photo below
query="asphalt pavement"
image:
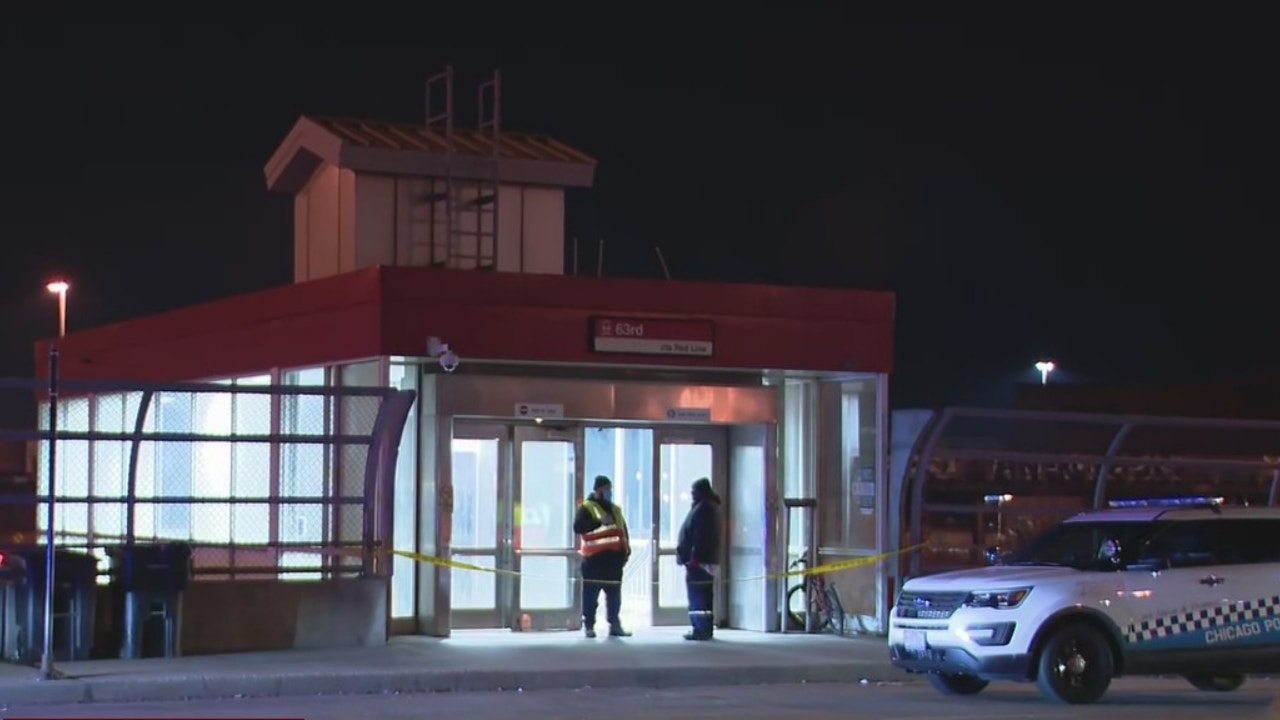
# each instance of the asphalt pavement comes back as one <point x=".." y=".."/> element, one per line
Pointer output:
<point x="1167" y="699"/>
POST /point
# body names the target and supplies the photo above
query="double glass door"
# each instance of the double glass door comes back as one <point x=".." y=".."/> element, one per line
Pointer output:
<point x="516" y="489"/>
<point x="652" y="471"/>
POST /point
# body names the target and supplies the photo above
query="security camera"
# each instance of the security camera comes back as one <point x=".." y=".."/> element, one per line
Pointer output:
<point x="449" y="360"/>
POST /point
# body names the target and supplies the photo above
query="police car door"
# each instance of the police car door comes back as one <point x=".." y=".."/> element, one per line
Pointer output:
<point x="1184" y="600"/>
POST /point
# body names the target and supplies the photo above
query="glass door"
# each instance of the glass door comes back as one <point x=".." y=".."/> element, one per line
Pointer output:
<point x="681" y="456"/>
<point x="547" y="492"/>
<point x="479" y="524"/>
<point x="625" y="455"/>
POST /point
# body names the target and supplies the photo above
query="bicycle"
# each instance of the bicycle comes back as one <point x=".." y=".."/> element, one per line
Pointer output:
<point x="822" y="600"/>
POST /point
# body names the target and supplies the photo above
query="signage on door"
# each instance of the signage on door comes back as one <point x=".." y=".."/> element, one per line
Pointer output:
<point x="682" y="414"/>
<point x="866" y="490"/>
<point x="539" y="411"/>
<point x="647" y="336"/>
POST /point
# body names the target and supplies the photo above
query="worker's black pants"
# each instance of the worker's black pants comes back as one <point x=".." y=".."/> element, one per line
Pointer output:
<point x="598" y="577"/>
<point x="700" y="585"/>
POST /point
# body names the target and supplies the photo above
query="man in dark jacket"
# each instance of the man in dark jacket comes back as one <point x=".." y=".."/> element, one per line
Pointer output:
<point x="699" y="552"/>
<point x="605" y="547"/>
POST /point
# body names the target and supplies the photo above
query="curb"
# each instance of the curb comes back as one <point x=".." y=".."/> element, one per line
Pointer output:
<point x="215" y="687"/>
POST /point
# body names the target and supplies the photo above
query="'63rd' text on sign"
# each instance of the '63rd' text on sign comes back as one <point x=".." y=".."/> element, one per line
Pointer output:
<point x="646" y="336"/>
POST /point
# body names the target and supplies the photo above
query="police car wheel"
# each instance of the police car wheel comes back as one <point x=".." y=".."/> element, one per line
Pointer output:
<point x="957" y="684"/>
<point x="1216" y="683"/>
<point x="1075" y="665"/>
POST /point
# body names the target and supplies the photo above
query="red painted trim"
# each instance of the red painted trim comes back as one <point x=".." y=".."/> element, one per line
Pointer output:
<point x="496" y="316"/>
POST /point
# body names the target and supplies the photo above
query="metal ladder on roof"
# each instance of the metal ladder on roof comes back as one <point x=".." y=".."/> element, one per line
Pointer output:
<point x="461" y="227"/>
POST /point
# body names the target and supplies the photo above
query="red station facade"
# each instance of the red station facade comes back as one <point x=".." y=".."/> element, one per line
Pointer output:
<point x="774" y="393"/>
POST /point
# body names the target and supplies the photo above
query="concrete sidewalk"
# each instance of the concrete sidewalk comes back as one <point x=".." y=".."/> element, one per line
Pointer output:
<point x="466" y="662"/>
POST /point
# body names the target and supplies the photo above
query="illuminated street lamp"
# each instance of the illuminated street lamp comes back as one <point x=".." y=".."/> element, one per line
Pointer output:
<point x="1044" y="367"/>
<point x="59" y="288"/>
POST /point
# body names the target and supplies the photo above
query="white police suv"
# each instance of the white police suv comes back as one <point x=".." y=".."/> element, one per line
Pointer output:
<point x="1183" y="586"/>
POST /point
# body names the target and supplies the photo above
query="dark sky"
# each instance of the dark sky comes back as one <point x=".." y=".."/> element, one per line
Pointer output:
<point x="1093" y="187"/>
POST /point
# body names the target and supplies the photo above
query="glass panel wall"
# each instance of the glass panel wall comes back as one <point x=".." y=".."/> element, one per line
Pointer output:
<point x="850" y="509"/>
<point x="799" y="461"/>
<point x="215" y="490"/>
<point x="251" y="464"/>
<point x="404" y="376"/>
<point x="304" y="470"/>
<point x="353" y="414"/>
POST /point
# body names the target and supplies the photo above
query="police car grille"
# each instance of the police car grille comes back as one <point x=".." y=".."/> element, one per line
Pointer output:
<point x="929" y="605"/>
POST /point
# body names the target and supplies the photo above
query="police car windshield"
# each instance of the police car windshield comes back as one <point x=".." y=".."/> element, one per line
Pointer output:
<point x="1079" y="544"/>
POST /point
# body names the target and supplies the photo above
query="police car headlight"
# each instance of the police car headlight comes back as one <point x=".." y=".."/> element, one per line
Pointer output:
<point x="999" y="599"/>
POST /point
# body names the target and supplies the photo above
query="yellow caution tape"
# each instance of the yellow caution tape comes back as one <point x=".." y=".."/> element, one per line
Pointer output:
<point x="819" y="570"/>
<point x="30" y="537"/>
<point x="453" y="564"/>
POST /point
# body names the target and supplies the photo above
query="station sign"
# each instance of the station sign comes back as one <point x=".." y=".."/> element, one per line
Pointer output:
<point x="539" y="411"/>
<point x="649" y="336"/>
<point x="688" y="414"/>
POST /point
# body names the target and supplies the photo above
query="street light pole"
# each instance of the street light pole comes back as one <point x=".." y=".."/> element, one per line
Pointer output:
<point x="59" y="288"/>
<point x="62" y="313"/>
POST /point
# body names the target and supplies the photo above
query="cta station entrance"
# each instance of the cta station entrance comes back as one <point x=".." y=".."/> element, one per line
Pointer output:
<point x="517" y="487"/>
<point x="513" y="460"/>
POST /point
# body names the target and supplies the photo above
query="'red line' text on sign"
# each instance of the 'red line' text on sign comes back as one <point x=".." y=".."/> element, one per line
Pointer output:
<point x="650" y="336"/>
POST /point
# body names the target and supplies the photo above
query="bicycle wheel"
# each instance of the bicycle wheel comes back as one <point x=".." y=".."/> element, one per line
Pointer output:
<point x="796" y="610"/>
<point x="835" y="609"/>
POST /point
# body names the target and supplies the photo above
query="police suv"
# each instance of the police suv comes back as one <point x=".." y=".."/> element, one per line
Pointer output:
<point x="1183" y="586"/>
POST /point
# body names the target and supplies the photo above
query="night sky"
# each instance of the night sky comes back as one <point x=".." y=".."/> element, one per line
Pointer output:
<point x="1092" y="187"/>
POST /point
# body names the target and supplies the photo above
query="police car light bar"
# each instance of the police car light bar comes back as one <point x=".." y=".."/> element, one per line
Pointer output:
<point x="1191" y="502"/>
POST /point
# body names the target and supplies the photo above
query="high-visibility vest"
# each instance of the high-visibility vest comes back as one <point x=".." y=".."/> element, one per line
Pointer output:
<point x="609" y="537"/>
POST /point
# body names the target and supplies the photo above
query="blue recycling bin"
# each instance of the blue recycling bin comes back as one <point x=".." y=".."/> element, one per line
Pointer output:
<point x="75" y="592"/>
<point x="13" y="572"/>
<point x="149" y="582"/>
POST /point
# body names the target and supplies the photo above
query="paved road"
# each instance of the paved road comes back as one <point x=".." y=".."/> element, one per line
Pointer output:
<point x="1168" y="698"/>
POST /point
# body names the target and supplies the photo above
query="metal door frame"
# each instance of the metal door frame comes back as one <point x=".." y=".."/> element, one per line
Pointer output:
<point x="570" y="617"/>
<point x="717" y="437"/>
<point x="499" y="616"/>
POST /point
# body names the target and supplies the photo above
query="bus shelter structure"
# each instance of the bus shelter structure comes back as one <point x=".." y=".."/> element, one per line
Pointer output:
<point x="971" y="478"/>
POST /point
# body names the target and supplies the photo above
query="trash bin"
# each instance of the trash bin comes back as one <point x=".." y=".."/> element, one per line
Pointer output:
<point x="13" y="570"/>
<point x="74" y="597"/>
<point x="149" y="581"/>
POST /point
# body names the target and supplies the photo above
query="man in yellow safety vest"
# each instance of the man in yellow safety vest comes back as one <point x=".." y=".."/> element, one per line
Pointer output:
<point x="605" y="548"/>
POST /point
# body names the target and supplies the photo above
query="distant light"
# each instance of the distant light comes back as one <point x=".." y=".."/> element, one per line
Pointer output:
<point x="58" y="287"/>
<point x="1044" y="367"/>
<point x="997" y="499"/>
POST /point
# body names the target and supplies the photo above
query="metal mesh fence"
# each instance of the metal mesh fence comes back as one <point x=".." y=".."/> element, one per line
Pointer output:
<point x="262" y="480"/>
